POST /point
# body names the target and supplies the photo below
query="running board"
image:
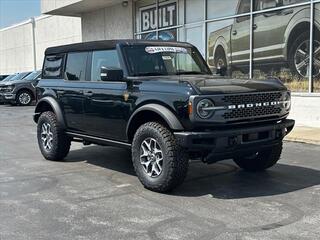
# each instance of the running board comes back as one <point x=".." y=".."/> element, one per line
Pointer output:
<point x="99" y="141"/>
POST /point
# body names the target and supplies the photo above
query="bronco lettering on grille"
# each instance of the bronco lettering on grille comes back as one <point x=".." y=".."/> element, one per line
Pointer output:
<point x="251" y="105"/>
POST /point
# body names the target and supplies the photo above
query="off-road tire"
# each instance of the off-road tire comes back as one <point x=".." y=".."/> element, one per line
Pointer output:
<point x="175" y="160"/>
<point x="18" y="102"/>
<point x="261" y="160"/>
<point x="60" y="143"/>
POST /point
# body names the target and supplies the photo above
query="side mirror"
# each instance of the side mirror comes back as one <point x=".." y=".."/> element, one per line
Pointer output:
<point x="269" y="4"/>
<point x="111" y="74"/>
<point x="222" y="71"/>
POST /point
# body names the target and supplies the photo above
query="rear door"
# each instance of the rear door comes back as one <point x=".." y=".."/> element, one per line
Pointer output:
<point x="70" y="91"/>
<point x="240" y="35"/>
<point x="105" y="108"/>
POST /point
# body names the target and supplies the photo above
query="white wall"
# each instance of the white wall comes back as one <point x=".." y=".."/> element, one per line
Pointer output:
<point x="305" y="110"/>
<point x="115" y="22"/>
<point x="55" y="31"/>
<point x="16" y="42"/>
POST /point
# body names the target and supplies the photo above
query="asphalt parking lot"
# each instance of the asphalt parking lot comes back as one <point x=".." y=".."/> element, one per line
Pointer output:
<point x="96" y="195"/>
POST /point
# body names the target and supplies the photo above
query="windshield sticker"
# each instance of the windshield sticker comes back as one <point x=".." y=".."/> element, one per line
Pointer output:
<point x="152" y="50"/>
<point x="166" y="58"/>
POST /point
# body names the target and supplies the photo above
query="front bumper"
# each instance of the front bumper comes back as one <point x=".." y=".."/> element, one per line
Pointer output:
<point x="9" y="96"/>
<point x="224" y="144"/>
<point x="2" y="99"/>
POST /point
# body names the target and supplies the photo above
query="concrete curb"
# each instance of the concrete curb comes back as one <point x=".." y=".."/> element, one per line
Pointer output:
<point x="304" y="135"/>
<point x="301" y="140"/>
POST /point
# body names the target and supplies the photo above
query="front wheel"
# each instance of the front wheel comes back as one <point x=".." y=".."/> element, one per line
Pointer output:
<point x="260" y="160"/>
<point x="159" y="162"/>
<point x="54" y="144"/>
<point x="24" y="98"/>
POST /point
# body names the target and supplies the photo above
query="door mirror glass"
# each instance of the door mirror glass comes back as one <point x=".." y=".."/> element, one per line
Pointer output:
<point x="111" y="74"/>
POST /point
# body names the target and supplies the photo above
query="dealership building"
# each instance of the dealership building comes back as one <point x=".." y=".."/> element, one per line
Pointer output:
<point x="241" y="38"/>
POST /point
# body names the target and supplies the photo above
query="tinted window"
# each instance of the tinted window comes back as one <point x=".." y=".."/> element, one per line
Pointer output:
<point x="107" y="59"/>
<point x="76" y="66"/>
<point x="52" y="66"/>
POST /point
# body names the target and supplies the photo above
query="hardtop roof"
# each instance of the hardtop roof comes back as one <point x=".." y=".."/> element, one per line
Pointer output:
<point x="107" y="44"/>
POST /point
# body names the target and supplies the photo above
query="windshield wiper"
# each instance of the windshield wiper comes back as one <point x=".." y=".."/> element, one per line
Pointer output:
<point x="188" y="72"/>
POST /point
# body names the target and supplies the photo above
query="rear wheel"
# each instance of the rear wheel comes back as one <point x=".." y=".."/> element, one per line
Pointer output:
<point x="159" y="162"/>
<point x="260" y="160"/>
<point x="299" y="56"/>
<point x="54" y="144"/>
<point x="220" y="61"/>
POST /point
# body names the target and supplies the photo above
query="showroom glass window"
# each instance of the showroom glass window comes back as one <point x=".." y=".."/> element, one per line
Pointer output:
<point x="103" y="59"/>
<point x="278" y="44"/>
<point x="76" y="66"/>
<point x="156" y="19"/>
<point x="316" y="48"/>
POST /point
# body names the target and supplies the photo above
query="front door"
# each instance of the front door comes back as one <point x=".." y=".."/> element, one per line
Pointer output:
<point x="269" y="31"/>
<point x="106" y="108"/>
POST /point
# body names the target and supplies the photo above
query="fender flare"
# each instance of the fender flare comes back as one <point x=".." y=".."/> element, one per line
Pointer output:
<point x="55" y="107"/>
<point x="164" y="112"/>
<point x="221" y="42"/>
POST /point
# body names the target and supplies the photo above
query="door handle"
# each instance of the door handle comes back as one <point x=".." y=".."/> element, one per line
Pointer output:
<point x="287" y="12"/>
<point x="88" y="93"/>
<point x="234" y="32"/>
<point x="254" y="26"/>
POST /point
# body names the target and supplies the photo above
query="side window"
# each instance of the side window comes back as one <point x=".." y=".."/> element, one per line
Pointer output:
<point x="105" y="58"/>
<point x="76" y="66"/>
<point x="53" y="66"/>
<point x="244" y="7"/>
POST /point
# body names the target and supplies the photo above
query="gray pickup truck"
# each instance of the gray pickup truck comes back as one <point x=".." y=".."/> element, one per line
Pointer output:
<point x="280" y="39"/>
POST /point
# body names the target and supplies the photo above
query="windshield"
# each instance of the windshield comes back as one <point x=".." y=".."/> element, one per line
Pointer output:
<point x="9" y="77"/>
<point x="144" y="60"/>
<point x="19" y="76"/>
<point x="32" y="76"/>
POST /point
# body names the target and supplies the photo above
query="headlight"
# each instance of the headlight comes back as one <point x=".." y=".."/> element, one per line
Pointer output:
<point x="9" y="88"/>
<point x="287" y="101"/>
<point x="205" y="108"/>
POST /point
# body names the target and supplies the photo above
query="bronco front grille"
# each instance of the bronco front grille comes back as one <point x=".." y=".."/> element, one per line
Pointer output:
<point x="255" y="111"/>
<point x="252" y="98"/>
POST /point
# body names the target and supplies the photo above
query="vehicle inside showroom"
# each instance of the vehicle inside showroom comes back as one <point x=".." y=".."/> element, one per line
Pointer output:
<point x="279" y="43"/>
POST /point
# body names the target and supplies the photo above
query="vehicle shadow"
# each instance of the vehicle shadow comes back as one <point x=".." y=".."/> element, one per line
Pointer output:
<point x="221" y="180"/>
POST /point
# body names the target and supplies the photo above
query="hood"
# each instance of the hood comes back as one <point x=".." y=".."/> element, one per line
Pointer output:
<point x="15" y="82"/>
<point x="207" y="85"/>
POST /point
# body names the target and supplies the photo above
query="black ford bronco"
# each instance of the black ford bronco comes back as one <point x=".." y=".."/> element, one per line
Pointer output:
<point x="160" y="100"/>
